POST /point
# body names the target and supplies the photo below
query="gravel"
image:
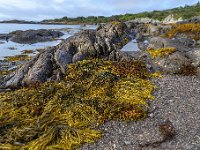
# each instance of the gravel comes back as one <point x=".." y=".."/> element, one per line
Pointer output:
<point x="177" y="99"/>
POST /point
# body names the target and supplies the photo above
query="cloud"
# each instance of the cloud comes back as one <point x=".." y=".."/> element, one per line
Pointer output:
<point x="46" y="9"/>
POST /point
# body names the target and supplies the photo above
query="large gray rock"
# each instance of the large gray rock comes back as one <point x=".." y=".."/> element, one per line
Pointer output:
<point x="51" y="63"/>
<point x="159" y="42"/>
<point x="172" y="63"/>
<point x="34" y="36"/>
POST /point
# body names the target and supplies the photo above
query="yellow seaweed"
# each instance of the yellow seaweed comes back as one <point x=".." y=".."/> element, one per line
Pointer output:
<point x="66" y="115"/>
<point x="161" y="52"/>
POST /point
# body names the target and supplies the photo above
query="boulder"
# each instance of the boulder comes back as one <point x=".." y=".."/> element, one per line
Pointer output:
<point x="172" y="63"/>
<point x="159" y="42"/>
<point x="34" y="36"/>
<point x="194" y="56"/>
<point x="51" y="63"/>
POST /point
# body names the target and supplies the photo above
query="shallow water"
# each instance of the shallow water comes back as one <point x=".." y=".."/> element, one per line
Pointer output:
<point x="5" y="47"/>
<point x="131" y="46"/>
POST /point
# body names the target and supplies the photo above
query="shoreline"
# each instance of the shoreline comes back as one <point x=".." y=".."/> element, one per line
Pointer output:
<point x="43" y="23"/>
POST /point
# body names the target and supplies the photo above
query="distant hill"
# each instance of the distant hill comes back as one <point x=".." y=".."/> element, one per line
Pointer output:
<point x="185" y="12"/>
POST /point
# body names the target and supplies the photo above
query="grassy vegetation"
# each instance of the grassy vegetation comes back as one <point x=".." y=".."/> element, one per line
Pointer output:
<point x="191" y="30"/>
<point x="161" y="52"/>
<point x="65" y="115"/>
<point x="184" y="12"/>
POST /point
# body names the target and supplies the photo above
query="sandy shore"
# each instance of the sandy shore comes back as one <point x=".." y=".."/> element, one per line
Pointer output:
<point x="177" y="99"/>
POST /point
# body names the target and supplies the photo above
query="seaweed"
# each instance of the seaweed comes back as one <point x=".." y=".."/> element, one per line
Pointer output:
<point x="25" y="52"/>
<point x="161" y="52"/>
<point x="167" y="132"/>
<point x="192" y="30"/>
<point x="17" y="58"/>
<point x="66" y="114"/>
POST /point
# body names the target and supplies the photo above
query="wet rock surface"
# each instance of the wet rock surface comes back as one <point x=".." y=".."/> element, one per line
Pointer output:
<point x="34" y="36"/>
<point x="106" y="42"/>
<point x="48" y="64"/>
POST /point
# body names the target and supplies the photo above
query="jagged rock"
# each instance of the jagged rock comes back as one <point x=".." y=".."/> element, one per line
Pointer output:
<point x="34" y="36"/>
<point x="51" y="63"/>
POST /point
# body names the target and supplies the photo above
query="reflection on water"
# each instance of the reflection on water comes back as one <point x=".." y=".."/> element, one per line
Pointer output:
<point x="5" y="47"/>
<point x="131" y="46"/>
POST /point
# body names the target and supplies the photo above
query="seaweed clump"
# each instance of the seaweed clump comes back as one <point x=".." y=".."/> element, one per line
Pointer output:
<point x="17" y="58"/>
<point x="65" y="115"/>
<point x="191" y="30"/>
<point x="161" y="52"/>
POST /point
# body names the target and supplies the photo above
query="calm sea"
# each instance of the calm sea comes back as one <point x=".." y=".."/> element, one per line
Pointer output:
<point x="5" y="47"/>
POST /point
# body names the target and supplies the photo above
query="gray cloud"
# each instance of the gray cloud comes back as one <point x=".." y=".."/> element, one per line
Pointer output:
<point x="46" y="9"/>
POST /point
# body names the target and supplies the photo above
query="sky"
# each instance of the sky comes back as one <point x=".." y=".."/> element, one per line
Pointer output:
<point x="37" y="10"/>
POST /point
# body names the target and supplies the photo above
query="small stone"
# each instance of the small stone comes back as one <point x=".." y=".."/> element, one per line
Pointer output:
<point x="127" y="142"/>
<point x="151" y="115"/>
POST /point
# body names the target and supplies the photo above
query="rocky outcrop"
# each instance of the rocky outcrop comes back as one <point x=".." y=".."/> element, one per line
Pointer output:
<point x="172" y="63"/>
<point x="145" y="20"/>
<point x="170" y="19"/>
<point x="51" y="63"/>
<point x="159" y="42"/>
<point x="34" y="36"/>
<point x="195" y="19"/>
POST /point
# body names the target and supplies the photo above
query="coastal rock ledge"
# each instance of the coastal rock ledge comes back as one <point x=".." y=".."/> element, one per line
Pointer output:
<point x="51" y="63"/>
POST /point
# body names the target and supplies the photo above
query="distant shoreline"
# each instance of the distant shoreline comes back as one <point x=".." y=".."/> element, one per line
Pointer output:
<point x="45" y="23"/>
<point x="33" y="23"/>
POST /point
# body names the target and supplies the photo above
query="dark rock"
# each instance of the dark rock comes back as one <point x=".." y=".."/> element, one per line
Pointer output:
<point x="173" y="63"/>
<point x="139" y="37"/>
<point x="120" y="56"/>
<point x="52" y="63"/>
<point x="5" y="36"/>
<point x="34" y="36"/>
<point x="187" y="42"/>
<point x="195" y="19"/>
<point x="143" y="45"/>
